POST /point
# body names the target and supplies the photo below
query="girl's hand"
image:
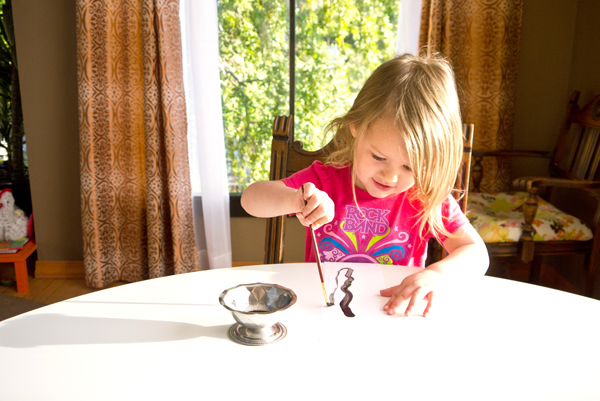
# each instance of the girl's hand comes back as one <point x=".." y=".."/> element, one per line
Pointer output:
<point x="413" y="289"/>
<point x="315" y="206"/>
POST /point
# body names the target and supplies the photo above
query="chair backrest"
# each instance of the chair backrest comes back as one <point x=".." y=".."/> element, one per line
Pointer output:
<point x="463" y="176"/>
<point x="289" y="157"/>
<point x="577" y="154"/>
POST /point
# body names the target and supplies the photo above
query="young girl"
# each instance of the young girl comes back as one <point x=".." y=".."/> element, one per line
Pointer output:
<point x="387" y="189"/>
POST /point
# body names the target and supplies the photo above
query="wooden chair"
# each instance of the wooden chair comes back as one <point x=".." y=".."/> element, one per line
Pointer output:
<point x="289" y="157"/>
<point x="574" y="164"/>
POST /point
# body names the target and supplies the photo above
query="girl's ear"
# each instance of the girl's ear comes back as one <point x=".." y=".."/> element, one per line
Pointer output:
<point x="352" y="129"/>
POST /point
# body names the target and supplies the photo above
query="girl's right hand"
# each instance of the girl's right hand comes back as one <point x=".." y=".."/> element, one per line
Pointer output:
<point x="315" y="206"/>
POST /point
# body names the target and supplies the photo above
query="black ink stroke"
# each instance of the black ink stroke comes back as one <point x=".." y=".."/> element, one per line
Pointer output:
<point x="345" y="303"/>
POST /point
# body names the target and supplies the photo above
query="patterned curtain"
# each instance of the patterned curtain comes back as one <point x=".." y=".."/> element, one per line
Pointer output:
<point x="481" y="38"/>
<point x="135" y="186"/>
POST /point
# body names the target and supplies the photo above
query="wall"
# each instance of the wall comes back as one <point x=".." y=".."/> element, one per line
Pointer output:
<point x="46" y="51"/>
<point x="548" y="30"/>
<point x="248" y="240"/>
<point x="585" y="63"/>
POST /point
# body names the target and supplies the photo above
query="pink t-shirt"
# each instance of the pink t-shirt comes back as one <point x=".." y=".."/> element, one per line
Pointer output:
<point x="385" y="232"/>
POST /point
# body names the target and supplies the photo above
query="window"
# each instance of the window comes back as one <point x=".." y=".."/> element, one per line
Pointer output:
<point x="337" y="45"/>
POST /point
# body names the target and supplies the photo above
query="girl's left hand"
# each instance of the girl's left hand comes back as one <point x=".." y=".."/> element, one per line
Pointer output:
<point x="413" y="289"/>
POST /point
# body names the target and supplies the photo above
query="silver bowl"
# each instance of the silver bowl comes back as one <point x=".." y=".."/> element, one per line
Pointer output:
<point x="253" y="307"/>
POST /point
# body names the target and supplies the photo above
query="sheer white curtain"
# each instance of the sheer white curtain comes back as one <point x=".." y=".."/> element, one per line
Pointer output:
<point x="208" y="169"/>
<point x="409" y="20"/>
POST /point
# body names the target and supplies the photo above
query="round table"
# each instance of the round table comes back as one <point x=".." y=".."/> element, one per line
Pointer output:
<point x="166" y="339"/>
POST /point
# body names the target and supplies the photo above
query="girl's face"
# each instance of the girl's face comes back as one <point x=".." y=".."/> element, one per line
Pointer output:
<point x="381" y="162"/>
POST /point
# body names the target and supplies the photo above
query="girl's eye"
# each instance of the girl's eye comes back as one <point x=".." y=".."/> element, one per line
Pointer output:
<point x="379" y="159"/>
<point x="407" y="168"/>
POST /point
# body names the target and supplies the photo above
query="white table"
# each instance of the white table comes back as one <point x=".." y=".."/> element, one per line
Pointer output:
<point x="166" y="339"/>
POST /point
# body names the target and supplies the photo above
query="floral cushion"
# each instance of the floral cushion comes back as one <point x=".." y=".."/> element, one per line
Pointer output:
<point x="495" y="219"/>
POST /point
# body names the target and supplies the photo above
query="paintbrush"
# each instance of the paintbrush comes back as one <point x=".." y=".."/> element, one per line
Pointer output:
<point x="314" y="240"/>
<point x="315" y="246"/>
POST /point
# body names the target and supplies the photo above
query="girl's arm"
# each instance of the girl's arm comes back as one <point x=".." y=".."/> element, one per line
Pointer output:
<point x="270" y="199"/>
<point x="467" y="256"/>
<point x="274" y="198"/>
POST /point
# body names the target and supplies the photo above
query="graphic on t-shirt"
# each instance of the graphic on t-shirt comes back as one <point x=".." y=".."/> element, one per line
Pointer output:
<point x="364" y="236"/>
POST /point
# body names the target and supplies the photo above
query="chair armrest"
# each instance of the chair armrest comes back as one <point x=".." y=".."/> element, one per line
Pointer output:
<point x="532" y="184"/>
<point x="477" y="169"/>
<point x="512" y="153"/>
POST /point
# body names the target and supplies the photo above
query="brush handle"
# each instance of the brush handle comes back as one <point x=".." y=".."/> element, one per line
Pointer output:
<point x="316" y="247"/>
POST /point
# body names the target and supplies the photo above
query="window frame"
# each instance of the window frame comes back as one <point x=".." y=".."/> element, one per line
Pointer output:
<point x="235" y="205"/>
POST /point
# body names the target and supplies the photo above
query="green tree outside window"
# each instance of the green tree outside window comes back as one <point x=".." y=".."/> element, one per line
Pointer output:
<point x="338" y="44"/>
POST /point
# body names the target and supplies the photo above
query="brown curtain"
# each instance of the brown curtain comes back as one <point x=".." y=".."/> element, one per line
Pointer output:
<point x="135" y="186"/>
<point x="481" y="38"/>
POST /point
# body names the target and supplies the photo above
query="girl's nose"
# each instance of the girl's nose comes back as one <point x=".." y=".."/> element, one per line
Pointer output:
<point x="391" y="176"/>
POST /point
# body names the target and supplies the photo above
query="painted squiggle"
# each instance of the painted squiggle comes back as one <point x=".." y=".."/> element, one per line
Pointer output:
<point x="345" y="303"/>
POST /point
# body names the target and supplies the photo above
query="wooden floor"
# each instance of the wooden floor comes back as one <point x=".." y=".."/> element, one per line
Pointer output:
<point x="46" y="290"/>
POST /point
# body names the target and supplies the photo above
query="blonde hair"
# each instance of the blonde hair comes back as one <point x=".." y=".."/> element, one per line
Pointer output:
<point x="418" y="94"/>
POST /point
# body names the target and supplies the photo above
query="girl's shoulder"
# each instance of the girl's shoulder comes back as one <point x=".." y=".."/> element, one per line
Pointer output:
<point x="331" y="169"/>
<point x="331" y="174"/>
<point x="324" y="176"/>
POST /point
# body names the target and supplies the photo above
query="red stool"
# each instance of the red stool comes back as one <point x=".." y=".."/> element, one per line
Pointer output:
<point x="20" y="260"/>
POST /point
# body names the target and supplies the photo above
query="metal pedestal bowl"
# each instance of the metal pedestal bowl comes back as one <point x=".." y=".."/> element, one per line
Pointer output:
<point x="253" y="307"/>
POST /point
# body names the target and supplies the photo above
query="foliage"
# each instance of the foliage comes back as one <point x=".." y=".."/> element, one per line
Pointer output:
<point x="11" y="114"/>
<point x="338" y="44"/>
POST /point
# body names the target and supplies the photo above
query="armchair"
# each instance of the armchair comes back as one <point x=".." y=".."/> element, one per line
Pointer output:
<point x="523" y="223"/>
